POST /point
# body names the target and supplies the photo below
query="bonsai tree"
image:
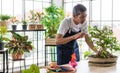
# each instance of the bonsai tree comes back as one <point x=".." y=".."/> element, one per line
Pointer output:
<point x="18" y="45"/>
<point x="3" y="31"/>
<point x="104" y="41"/>
<point x="52" y="19"/>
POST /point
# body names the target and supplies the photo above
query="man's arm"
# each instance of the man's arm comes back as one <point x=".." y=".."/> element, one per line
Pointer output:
<point x="90" y="43"/>
<point x="61" y="40"/>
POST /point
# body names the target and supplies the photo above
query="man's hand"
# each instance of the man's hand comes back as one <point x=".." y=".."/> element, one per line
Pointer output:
<point x="79" y="35"/>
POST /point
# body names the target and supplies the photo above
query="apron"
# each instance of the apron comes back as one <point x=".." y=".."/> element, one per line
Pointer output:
<point x="64" y="51"/>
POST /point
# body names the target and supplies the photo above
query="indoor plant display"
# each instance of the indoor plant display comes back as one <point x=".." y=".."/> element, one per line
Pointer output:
<point x="51" y="20"/>
<point x="106" y="44"/>
<point x="18" y="45"/>
<point x="3" y="31"/>
<point x="3" y="20"/>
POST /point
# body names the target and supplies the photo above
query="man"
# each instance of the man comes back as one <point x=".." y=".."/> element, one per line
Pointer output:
<point x="69" y="31"/>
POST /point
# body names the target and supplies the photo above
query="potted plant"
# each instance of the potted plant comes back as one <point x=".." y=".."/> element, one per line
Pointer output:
<point x="38" y="17"/>
<point x="32" y="19"/>
<point x="24" y="24"/>
<point x="3" y="20"/>
<point x="51" y="21"/>
<point x="3" y="31"/>
<point x="18" y="45"/>
<point x="14" y="22"/>
<point x="35" y="20"/>
<point x="106" y="44"/>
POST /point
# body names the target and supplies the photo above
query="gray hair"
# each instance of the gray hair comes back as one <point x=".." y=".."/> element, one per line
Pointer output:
<point x="78" y="9"/>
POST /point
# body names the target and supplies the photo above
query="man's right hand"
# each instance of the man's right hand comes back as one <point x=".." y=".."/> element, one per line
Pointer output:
<point x="79" y="35"/>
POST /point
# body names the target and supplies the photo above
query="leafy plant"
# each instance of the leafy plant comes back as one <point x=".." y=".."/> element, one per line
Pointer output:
<point x="24" y="22"/>
<point x="35" y="16"/>
<point x="19" y="44"/>
<point x="104" y="41"/>
<point x="52" y="19"/>
<point x="3" y="31"/>
<point x="33" y="69"/>
<point x="13" y="20"/>
<point x="4" y="17"/>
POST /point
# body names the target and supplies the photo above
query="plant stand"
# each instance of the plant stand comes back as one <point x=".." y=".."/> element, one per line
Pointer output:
<point x="102" y="62"/>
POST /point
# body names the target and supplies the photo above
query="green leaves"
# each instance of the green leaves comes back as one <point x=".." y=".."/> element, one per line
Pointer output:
<point x="4" y="17"/>
<point x="104" y="39"/>
<point x="52" y="19"/>
<point x="33" y="69"/>
<point x="86" y="54"/>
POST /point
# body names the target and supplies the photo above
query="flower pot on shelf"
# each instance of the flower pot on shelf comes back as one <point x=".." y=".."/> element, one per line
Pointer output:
<point x="1" y="45"/>
<point x="39" y="26"/>
<point x="50" y="41"/>
<point x="4" y="23"/>
<point x="14" y="27"/>
<point x="24" y="27"/>
<point x="17" y="56"/>
<point x="32" y="27"/>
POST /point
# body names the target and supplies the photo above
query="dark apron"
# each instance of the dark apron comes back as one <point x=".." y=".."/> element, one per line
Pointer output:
<point x="65" y="51"/>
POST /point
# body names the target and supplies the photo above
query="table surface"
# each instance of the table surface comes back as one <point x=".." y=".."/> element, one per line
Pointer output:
<point x="83" y="67"/>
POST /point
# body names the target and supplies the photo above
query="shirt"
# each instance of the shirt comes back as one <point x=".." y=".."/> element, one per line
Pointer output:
<point x="68" y="24"/>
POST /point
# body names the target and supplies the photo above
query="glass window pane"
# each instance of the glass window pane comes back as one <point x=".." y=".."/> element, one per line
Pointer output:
<point x="18" y="9"/>
<point x="116" y="10"/>
<point x="7" y="7"/>
<point x="95" y="10"/>
<point x="68" y="9"/>
<point x="37" y="6"/>
<point x="106" y="9"/>
<point x="86" y="4"/>
<point x="116" y="28"/>
<point x="46" y="5"/>
<point x="68" y="0"/>
<point x="0" y="7"/>
<point x="28" y="7"/>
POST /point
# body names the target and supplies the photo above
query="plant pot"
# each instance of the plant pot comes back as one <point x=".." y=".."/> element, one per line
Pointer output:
<point x="39" y="26"/>
<point x="50" y="41"/>
<point x="17" y="56"/>
<point x="32" y="27"/>
<point x="24" y="27"/>
<point x="1" y="45"/>
<point x="4" y="23"/>
<point x="14" y="27"/>
<point x="103" y="62"/>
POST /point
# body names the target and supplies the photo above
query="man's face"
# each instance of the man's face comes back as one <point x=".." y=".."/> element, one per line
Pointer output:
<point x="81" y="18"/>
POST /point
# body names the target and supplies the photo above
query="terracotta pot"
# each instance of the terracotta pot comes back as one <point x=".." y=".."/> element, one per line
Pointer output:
<point x="32" y="26"/>
<point x="16" y="56"/>
<point x="4" y="23"/>
<point x="50" y="41"/>
<point x="39" y="26"/>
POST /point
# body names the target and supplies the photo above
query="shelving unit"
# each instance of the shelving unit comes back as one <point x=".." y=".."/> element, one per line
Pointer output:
<point x="38" y="40"/>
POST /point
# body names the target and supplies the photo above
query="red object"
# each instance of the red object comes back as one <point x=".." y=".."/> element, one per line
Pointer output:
<point x="73" y="62"/>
